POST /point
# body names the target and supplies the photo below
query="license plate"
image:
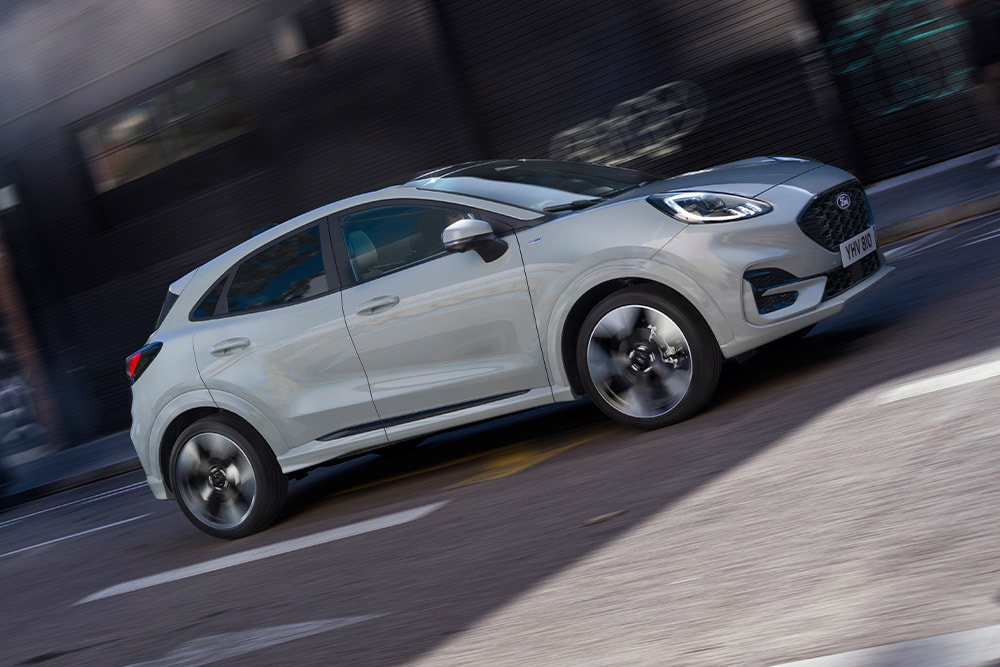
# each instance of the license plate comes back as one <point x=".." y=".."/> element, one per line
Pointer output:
<point x="857" y="247"/>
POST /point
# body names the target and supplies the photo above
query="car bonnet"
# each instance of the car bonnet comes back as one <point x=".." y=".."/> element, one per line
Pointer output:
<point x="749" y="178"/>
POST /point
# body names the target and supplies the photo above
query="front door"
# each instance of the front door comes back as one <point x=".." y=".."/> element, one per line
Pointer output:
<point x="435" y="331"/>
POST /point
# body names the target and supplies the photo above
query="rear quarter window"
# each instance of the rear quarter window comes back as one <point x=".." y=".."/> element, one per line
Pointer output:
<point x="206" y="307"/>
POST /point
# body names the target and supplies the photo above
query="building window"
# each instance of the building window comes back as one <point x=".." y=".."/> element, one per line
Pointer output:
<point x="175" y="121"/>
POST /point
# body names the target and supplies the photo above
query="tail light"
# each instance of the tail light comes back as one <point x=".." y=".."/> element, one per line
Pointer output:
<point x="137" y="362"/>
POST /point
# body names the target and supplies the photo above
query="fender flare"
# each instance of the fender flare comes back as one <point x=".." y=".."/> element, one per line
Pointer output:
<point x="215" y="400"/>
<point x="648" y="270"/>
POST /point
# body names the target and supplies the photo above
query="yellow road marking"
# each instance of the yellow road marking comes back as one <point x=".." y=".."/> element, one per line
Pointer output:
<point x="512" y="460"/>
<point x="413" y="473"/>
<point x="502" y="462"/>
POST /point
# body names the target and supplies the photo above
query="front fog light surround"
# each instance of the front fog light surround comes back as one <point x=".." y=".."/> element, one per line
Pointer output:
<point x="767" y="289"/>
<point x="702" y="207"/>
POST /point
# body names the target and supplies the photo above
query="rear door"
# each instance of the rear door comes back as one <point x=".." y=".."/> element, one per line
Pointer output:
<point x="273" y="335"/>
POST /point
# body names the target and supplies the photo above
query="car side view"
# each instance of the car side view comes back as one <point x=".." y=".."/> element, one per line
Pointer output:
<point x="475" y="291"/>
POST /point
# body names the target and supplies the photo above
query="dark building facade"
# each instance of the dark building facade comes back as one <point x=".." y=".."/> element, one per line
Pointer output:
<point x="138" y="139"/>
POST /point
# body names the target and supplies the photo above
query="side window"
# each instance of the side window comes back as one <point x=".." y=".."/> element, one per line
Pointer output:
<point x="384" y="239"/>
<point x="286" y="271"/>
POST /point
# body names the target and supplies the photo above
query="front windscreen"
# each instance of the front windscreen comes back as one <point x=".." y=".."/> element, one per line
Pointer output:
<point x="534" y="184"/>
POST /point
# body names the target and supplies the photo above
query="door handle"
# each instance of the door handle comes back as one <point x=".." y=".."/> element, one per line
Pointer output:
<point x="228" y="346"/>
<point x="377" y="305"/>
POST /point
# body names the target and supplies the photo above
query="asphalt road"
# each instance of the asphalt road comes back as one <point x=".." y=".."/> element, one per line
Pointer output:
<point x="828" y="500"/>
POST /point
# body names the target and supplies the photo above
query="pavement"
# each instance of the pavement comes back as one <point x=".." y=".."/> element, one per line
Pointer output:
<point x="936" y="196"/>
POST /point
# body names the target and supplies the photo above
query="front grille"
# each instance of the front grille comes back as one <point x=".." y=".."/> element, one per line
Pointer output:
<point x="829" y="225"/>
<point x="842" y="279"/>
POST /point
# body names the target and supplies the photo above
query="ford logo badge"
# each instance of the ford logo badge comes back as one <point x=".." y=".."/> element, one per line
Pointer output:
<point x="843" y="200"/>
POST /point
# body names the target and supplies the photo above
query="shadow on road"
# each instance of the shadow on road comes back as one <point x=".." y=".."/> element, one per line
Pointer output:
<point x="927" y="316"/>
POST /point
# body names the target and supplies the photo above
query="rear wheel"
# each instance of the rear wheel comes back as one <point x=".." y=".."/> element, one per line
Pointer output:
<point x="645" y="361"/>
<point x="226" y="479"/>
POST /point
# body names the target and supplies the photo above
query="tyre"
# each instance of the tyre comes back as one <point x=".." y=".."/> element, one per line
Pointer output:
<point x="226" y="479"/>
<point x="645" y="361"/>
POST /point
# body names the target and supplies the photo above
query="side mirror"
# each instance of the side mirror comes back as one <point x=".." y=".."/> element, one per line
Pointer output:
<point x="471" y="234"/>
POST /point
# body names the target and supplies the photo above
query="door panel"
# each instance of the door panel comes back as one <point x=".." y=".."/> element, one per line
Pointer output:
<point x="296" y="365"/>
<point x="445" y="332"/>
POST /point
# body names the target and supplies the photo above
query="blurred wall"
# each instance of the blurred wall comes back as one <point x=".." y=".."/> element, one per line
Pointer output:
<point x="142" y="138"/>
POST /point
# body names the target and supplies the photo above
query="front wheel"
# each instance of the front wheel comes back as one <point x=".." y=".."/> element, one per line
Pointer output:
<point x="226" y="479"/>
<point x="645" y="361"/>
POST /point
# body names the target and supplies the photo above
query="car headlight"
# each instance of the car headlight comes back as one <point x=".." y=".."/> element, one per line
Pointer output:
<point x="698" y="207"/>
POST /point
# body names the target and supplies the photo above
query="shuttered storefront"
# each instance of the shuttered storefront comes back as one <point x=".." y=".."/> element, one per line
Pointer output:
<point x="656" y="85"/>
<point x="878" y="87"/>
<point x="904" y="77"/>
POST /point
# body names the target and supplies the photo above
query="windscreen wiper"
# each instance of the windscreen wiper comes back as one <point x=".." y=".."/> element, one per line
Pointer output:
<point x="622" y="190"/>
<point x="578" y="204"/>
<point x="573" y="205"/>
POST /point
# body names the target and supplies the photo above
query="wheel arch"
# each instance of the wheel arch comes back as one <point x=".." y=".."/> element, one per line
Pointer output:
<point x="177" y="426"/>
<point x="586" y="303"/>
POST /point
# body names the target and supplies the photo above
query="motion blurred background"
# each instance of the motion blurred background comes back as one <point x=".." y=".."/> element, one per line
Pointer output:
<point x="139" y="139"/>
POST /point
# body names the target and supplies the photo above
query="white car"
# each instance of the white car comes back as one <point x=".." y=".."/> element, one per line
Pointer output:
<point x="475" y="291"/>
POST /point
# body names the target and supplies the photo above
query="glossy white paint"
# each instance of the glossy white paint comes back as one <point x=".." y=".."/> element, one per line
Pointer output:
<point x="299" y="370"/>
